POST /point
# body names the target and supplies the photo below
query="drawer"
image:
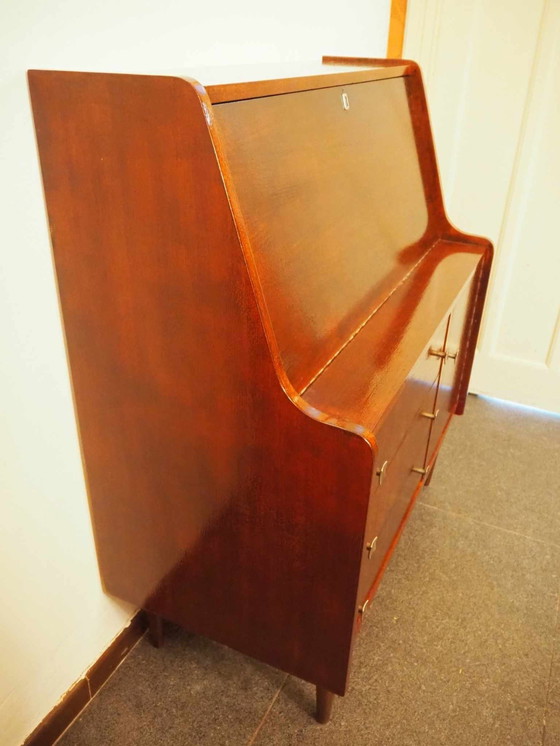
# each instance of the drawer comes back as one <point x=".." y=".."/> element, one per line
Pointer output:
<point x="390" y="500"/>
<point x="402" y="439"/>
<point x="446" y="399"/>
<point x="417" y="393"/>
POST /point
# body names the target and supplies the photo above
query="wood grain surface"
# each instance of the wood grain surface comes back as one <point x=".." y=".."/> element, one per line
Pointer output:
<point x="249" y="291"/>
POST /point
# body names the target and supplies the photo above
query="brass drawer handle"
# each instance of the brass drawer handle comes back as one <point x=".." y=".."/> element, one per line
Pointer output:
<point x="420" y="470"/>
<point x="452" y="355"/>
<point x="382" y="471"/>
<point x="434" y="352"/>
<point x="430" y="415"/>
<point x="363" y="607"/>
<point x="371" y="547"/>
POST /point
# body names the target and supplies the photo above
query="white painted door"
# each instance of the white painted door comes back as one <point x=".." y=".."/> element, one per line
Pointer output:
<point x="492" y="74"/>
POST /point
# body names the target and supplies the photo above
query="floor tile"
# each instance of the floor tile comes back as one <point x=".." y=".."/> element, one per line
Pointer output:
<point x="552" y="717"/>
<point x="455" y="650"/>
<point x="190" y="692"/>
<point x="500" y="464"/>
<point x="552" y="728"/>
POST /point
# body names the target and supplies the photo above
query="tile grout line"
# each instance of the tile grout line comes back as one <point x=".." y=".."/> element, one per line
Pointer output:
<point x="267" y="713"/>
<point x="489" y="525"/>
<point x="550" y="671"/>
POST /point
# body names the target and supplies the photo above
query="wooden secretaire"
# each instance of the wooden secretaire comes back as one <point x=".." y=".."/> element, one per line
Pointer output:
<point x="270" y="322"/>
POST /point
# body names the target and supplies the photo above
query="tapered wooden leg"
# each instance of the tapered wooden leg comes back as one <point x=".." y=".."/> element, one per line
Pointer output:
<point x="430" y="474"/>
<point x="325" y="701"/>
<point x="155" y="629"/>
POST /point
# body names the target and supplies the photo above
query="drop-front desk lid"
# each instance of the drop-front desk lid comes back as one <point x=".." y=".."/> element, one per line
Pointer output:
<point x="331" y="199"/>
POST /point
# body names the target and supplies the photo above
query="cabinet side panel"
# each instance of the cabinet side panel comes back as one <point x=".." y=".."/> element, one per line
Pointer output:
<point x="215" y="502"/>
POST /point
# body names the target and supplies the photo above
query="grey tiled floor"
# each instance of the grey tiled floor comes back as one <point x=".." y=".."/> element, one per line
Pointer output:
<point x="461" y="645"/>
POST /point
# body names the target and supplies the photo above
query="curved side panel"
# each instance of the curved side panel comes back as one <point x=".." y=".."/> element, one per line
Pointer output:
<point x="215" y="501"/>
<point x="439" y="226"/>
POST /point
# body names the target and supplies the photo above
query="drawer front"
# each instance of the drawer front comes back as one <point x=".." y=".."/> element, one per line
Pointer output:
<point x="390" y="500"/>
<point x="446" y="398"/>
<point x="407" y="437"/>
<point x="402" y="440"/>
<point x="417" y="393"/>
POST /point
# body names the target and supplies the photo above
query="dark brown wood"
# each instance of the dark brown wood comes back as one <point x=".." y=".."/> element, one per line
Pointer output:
<point x="76" y="699"/>
<point x="164" y="336"/>
<point x="454" y="347"/>
<point x="391" y="498"/>
<point x="250" y="293"/>
<point x="325" y="701"/>
<point x="367" y="374"/>
<point x="367" y="237"/>
<point x="155" y="629"/>
<point x="405" y="66"/>
<point x="473" y="326"/>
<point x="264" y="88"/>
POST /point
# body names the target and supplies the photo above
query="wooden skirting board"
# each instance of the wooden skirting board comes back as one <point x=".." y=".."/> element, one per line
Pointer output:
<point x="83" y="691"/>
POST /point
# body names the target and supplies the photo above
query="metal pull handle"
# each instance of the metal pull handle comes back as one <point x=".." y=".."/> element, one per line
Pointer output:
<point x="452" y="355"/>
<point x="363" y="607"/>
<point x="371" y="547"/>
<point x="430" y="415"/>
<point x="382" y="471"/>
<point x="419" y="470"/>
<point x="434" y="352"/>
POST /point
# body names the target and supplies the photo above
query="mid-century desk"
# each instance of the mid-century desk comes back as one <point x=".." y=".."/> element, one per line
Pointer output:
<point x="270" y="322"/>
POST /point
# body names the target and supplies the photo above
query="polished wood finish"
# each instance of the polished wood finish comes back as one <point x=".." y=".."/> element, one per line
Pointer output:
<point x="221" y="93"/>
<point x="430" y="473"/>
<point x="366" y="375"/>
<point x="390" y="500"/>
<point x="250" y="291"/>
<point x="365" y="231"/>
<point x="216" y="477"/>
<point x="325" y="701"/>
<point x="155" y="629"/>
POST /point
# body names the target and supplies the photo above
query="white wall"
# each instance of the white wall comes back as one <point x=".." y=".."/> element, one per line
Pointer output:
<point x="55" y="620"/>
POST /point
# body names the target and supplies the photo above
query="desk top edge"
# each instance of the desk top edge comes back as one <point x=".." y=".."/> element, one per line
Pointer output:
<point x="273" y="80"/>
<point x="226" y="83"/>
